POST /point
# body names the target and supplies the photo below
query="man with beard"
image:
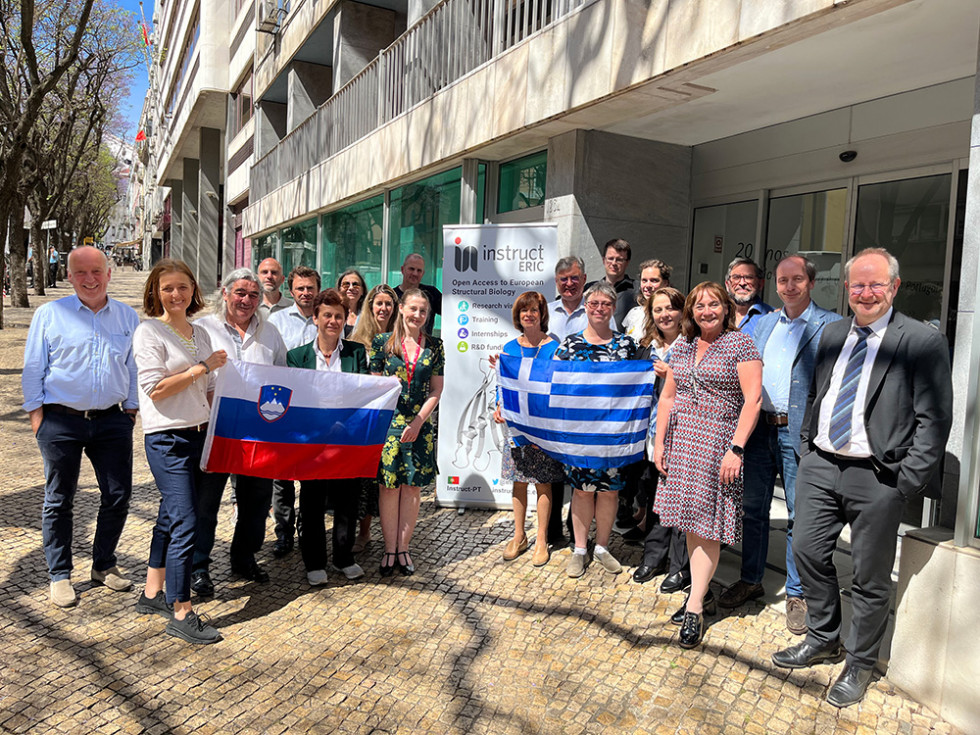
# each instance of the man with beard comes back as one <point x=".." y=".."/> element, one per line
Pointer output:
<point x="744" y="282"/>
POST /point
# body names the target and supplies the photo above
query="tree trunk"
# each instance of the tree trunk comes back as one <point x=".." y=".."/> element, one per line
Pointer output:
<point x="37" y="246"/>
<point x="18" y="255"/>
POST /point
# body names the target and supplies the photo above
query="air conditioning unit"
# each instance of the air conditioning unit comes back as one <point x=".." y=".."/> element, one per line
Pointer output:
<point x="267" y="16"/>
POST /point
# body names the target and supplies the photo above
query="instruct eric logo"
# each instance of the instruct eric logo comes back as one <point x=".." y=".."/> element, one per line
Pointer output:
<point x="467" y="257"/>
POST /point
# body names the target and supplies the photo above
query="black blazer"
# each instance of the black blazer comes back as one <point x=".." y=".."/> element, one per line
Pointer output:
<point x="353" y="357"/>
<point x="909" y="409"/>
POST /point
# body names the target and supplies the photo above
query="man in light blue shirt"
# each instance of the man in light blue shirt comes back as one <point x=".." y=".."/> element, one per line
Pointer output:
<point x="787" y="340"/>
<point x="296" y="326"/>
<point x="566" y="314"/>
<point x="79" y="385"/>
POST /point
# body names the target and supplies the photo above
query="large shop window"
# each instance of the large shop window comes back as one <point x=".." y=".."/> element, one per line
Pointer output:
<point x="522" y="183"/>
<point x="352" y="238"/>
<point x="813" y="225"/>
<point x="721" y="234"/>
<point x="265" y="247"/>
<point x="299" y="245"/>
<point x="910" y="218"/>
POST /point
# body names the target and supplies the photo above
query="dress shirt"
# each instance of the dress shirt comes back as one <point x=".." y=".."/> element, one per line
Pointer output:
<point x="280" y="305"/>
<point x="262" y="343"/>
<point x="296" y="330"/>
<point x="751" y="318"/>
<point x="561" y="323"/>
<point x="778" y="358"/>
<point x="322" y="363"/>
<point x="858" y="446"/>
<point x="80" y="358"/>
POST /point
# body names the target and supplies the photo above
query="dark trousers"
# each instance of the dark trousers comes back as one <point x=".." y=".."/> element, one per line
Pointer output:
<point x="830" y="493"/>
<point x="556" y="529"/>
<point x="108" y="443"/>
<point x="314" y="495"/>
<point x="284" y="509"/>
<point x="661" y="542"/>
<point x="253" y="495"/>
<point x="175" y="461"/>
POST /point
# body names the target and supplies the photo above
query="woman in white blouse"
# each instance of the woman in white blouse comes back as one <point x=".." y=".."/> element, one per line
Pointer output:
<point x="176" y="379"/>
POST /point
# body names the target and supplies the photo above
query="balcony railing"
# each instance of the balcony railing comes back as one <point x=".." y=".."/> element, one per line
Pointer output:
<point x="448" y="42"/>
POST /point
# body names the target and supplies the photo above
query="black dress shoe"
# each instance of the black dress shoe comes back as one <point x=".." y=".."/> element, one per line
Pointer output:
<point x="386" y="570"/>
<point x="250" y="570"/>
<point x="710" y="607"/>
<point x="692" y="630"/>
<point x="645" y="572"/>
<point x="676" y="582"/>
<point x="405" y="569"/>
<point x="282" y="548"/>
<point x="850" y="686"/>
<point x="201" y="584"/>
<point x="805" y="654"/>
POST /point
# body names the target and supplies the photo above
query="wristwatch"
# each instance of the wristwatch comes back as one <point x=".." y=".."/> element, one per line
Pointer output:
<point x="737" y="450"/>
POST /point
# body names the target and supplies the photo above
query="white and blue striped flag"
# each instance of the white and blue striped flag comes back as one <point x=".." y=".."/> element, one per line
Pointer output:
<point x="584" y="414"/>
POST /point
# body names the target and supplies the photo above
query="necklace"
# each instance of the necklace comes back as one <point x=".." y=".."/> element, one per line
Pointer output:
<point x="410" y="366"/>
<point x="537" y="347"/>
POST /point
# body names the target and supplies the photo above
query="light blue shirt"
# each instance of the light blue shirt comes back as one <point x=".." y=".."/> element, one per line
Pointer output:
<point x="80" y="358"/>
<point x="296" y="330"/>
<point x="758" y="309"/>
<point x="777" y="360"/>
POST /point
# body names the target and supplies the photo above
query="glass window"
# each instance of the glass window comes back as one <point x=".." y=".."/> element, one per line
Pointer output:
<point x="352" y="238"/>
<point x="721" y="234"/>
<point x="299" y="246"/>
<point x="416" y="215"/>
<point x="522" y="183"/>
<point x="910" y="218"/>
<point x="265" y="247"/>
<point x="813" y="225"/>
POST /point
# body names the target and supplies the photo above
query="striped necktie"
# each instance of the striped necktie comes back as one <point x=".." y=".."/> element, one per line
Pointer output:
<point x="843" y="415"/>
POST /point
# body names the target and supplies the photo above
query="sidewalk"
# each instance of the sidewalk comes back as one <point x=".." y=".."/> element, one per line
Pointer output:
<point x="470" y="644"/>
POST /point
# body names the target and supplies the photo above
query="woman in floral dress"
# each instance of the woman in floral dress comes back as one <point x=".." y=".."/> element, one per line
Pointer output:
<point x="408" y="459"/>
<point x="596" y="492"/>
<point x="707" y="410"/>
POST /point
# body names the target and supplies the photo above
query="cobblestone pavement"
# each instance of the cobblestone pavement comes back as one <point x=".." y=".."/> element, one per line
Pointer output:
<point x="470" y="644"/>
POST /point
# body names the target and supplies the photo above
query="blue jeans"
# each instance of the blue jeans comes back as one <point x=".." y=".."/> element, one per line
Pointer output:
<point x="108" y="443"/>
<point x="175" y="458"/>
<point x="769" y="450"/>
<point x="253" y="495"/>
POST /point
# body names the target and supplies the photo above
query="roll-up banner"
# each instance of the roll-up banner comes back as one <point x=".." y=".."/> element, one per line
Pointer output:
<point x="484" y="269"/>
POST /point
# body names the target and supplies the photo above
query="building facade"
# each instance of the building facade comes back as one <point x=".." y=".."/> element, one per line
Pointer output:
<point x="697" y="130"/>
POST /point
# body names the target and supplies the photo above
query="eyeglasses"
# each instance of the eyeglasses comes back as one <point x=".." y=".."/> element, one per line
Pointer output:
<point x="615" y="261"/>
<point x="599" y="305"/>
<point x="740" y="279"/>
<point x="569" y="279"/>
<point x="876" y="288"/>
<point x="348" y="285"/>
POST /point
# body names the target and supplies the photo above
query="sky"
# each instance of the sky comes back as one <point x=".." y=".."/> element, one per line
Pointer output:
<point x="133" y="105"/>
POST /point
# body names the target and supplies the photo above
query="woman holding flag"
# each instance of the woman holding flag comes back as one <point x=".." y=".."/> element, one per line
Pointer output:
<point x="528" y="464"/>
<point x="176" y="378"/>
<point x="408" y="459"/>
<point x="596" y="492"/>
<point x="707" y="410"/>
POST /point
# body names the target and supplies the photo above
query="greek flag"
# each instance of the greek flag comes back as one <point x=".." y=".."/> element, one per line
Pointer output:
<point x="584" y="414"/>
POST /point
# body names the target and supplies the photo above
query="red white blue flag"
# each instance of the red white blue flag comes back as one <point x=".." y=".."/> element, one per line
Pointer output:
<point x="294" y="424"/>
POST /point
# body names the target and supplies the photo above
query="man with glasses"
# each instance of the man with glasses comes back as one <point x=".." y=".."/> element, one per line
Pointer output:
<point x="744" y="281"/>
<point x="272" y="278"/>
<point x="296" y="326"/>
<point x="616" y="259"/>
<point x="881" y="405"/>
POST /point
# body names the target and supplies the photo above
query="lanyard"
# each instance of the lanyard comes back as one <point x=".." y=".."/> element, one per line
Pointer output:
<point x="410" y="367"/>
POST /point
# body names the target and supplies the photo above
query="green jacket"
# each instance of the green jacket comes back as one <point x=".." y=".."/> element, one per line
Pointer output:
<point x="353" y="357"/>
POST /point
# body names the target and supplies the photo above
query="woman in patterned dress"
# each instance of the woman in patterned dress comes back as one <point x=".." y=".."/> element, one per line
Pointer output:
<point x="377" y="316"/>
<point x="707" y="410"/>
<point x="528" y="465"/>
<point x="408" y="459"/>
<point x="596" y="492"/>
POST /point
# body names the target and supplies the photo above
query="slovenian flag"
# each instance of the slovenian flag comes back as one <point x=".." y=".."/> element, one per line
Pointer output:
<point x="295" y="424"/>
<point x="584" y="414"/>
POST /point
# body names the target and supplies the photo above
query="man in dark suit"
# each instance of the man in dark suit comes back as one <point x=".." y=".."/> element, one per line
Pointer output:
<point x="787" y="340"/>
<point x="875" y="432"/>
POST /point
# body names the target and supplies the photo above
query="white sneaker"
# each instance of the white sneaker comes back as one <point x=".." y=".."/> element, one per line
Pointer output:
<point x="317" y="578"/>
<point x="354" y="571"/>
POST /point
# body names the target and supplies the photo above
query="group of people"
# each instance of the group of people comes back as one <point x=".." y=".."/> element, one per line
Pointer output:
<point x="852" y="413"/>
<point x="90" y="365"/>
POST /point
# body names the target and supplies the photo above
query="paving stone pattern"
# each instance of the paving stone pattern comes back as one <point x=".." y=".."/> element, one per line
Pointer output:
<point x="470" y="644"/>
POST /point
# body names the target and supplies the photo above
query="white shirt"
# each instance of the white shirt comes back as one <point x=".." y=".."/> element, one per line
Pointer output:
<point x="635" y="323"/>
<point x="261" y="344"/>
<point x="858" y="446"/>
<point x="322" y="363"/>
<point x="296" y="330"/>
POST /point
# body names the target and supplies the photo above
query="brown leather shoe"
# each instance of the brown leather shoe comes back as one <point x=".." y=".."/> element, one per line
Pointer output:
<point x="796" y="615"/>
<point x="541" y="555"/>
<point x="515" y="548"/>
<point x="740" y="593"/>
